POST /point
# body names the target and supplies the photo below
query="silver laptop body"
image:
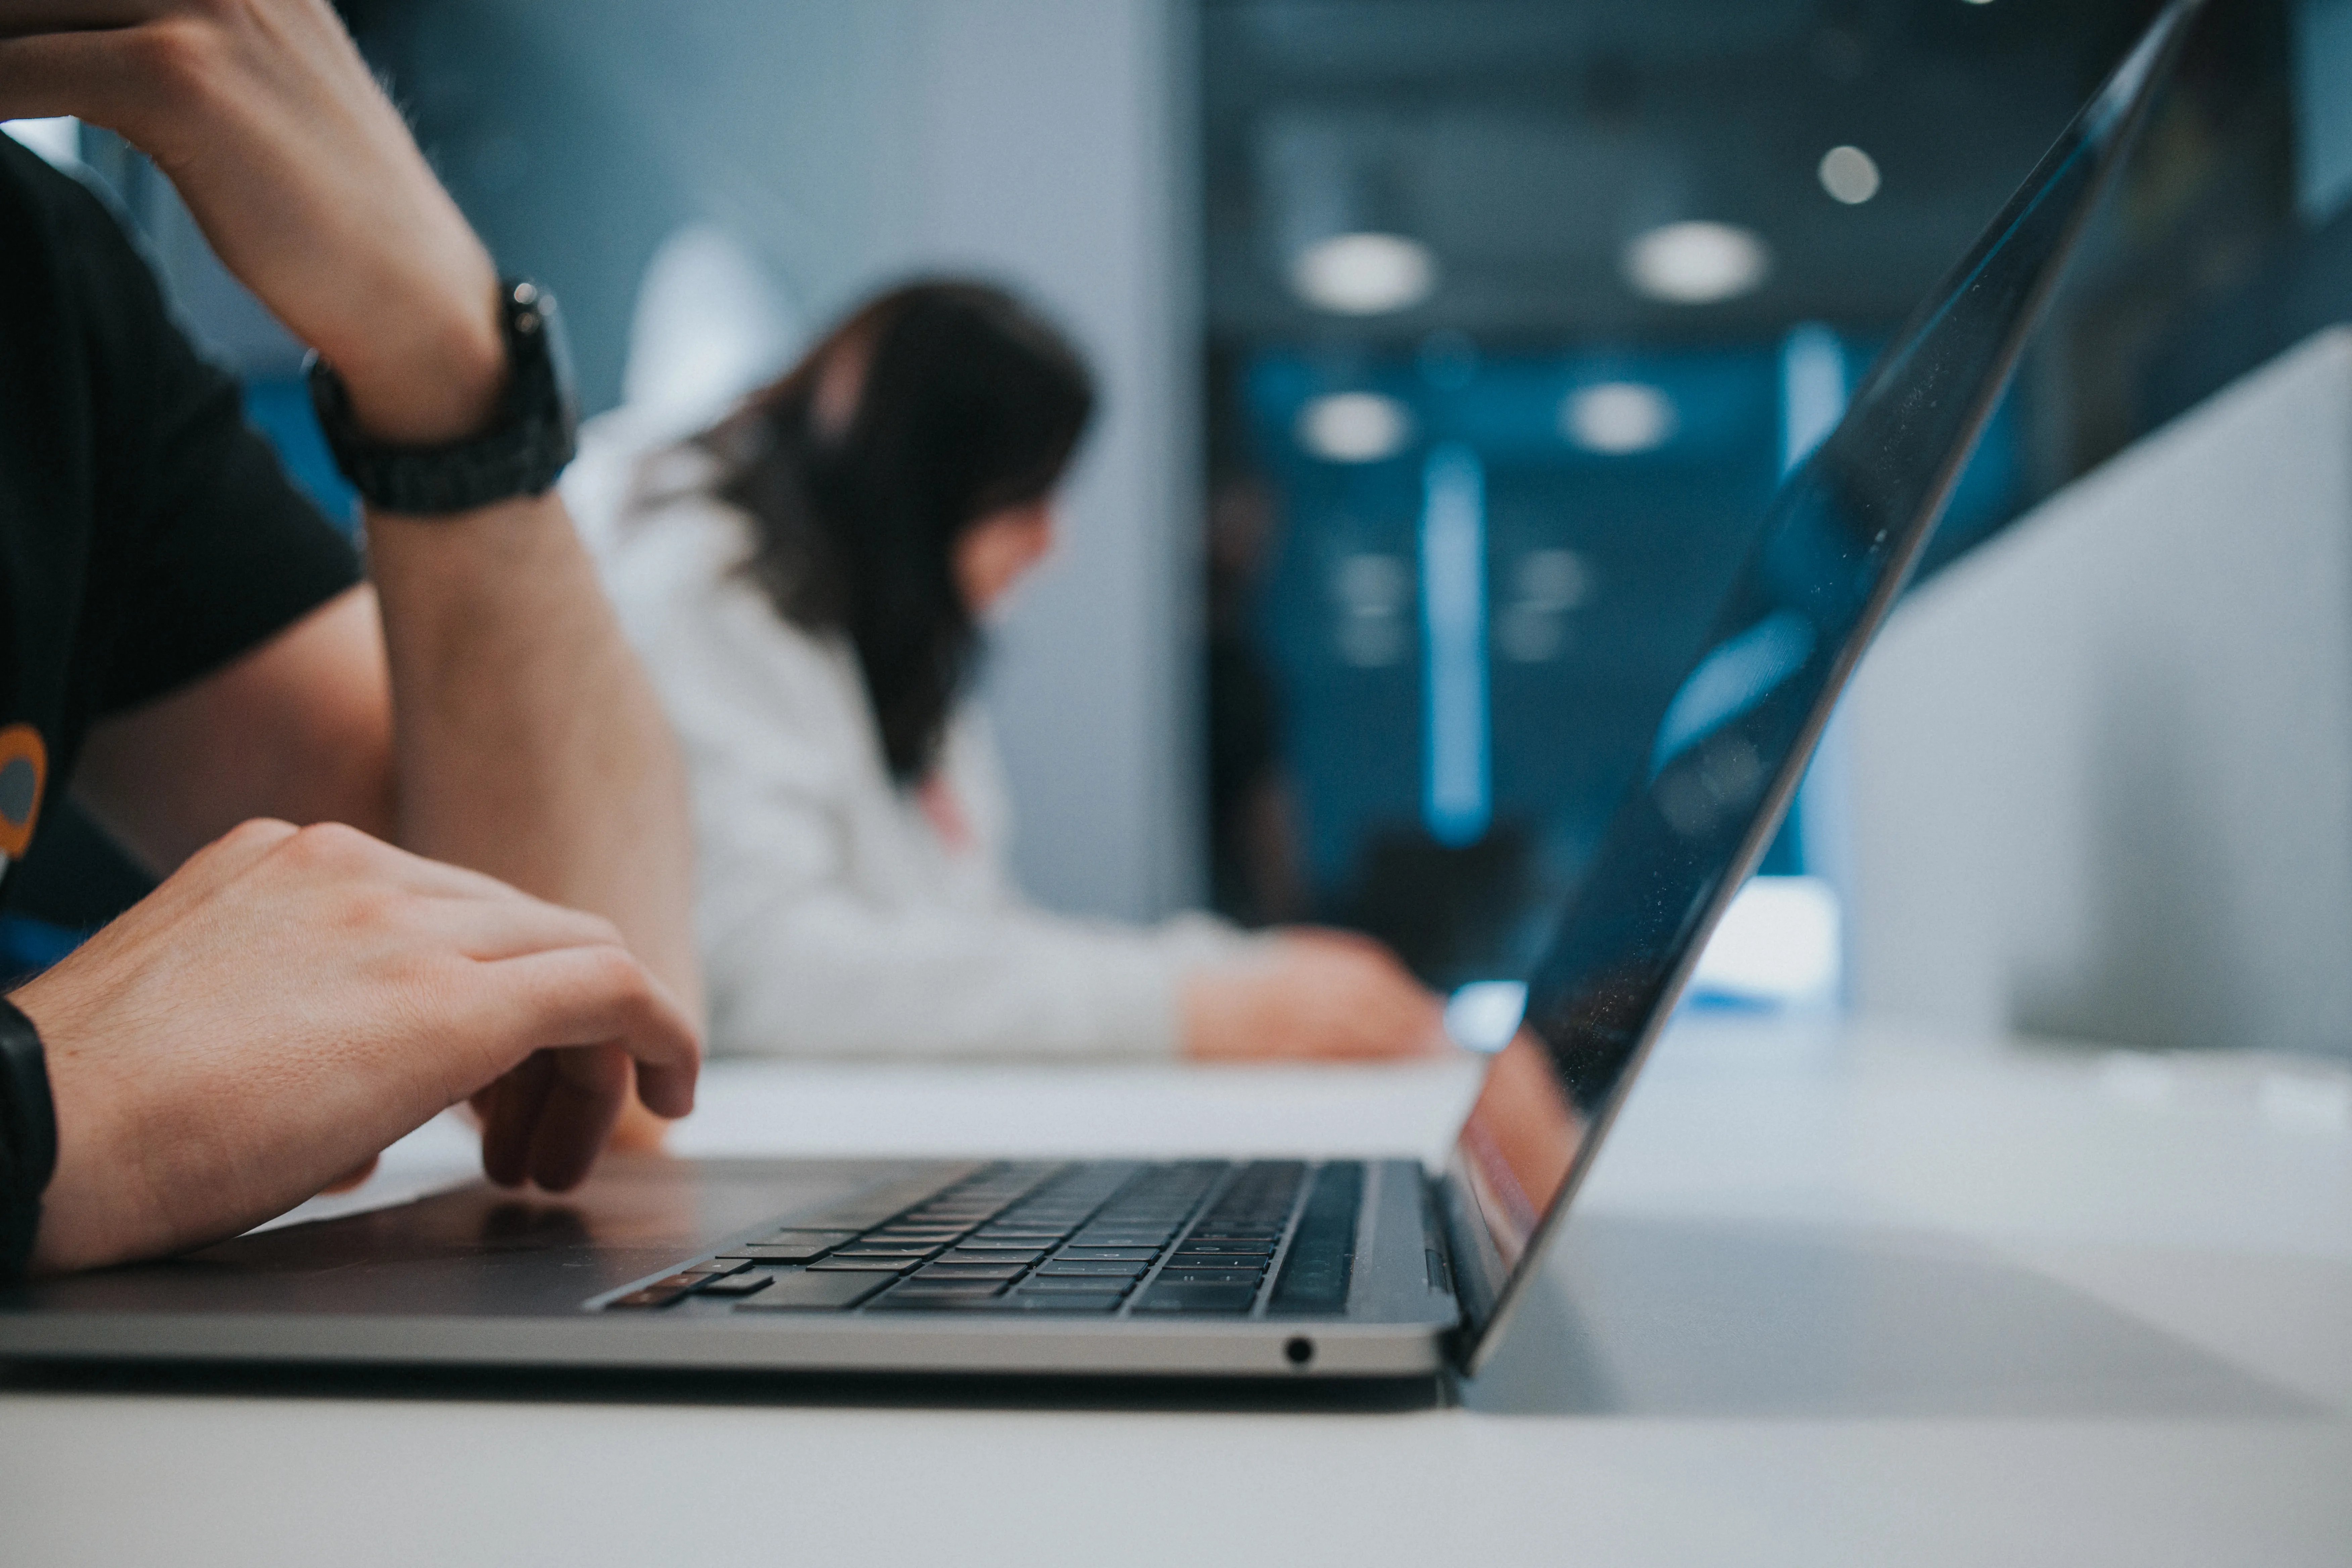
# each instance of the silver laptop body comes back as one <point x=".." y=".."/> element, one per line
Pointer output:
<point x="1317" y="1268"/>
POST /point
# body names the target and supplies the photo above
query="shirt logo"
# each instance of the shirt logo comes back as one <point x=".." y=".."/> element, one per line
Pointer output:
<point x="24" y="770"/>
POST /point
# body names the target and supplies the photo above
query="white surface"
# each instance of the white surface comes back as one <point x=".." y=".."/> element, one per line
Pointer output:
<point x="2101" y="768"/>
<point x="2192" y="1251"/>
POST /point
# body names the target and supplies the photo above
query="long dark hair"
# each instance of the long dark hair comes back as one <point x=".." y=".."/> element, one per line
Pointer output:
<point x="969" y="403"/>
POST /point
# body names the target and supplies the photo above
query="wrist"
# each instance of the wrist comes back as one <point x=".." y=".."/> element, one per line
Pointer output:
<point x="84" y="1214"/>
<point x="438" y="380"/>
<point x="516" y="451"/>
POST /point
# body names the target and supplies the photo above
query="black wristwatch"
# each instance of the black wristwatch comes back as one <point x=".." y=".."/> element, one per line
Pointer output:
<point x="29" y="1139"/>
<point x="520" y="455"/>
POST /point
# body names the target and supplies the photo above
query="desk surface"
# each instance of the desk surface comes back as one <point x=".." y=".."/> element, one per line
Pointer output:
<point x="1826" y="1299"/>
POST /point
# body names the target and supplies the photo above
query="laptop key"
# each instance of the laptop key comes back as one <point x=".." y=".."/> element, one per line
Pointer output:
<point x="1075" y="1285"/>
<point x="1053" y="1268"/>
<point x="1225" y="1244"/>
<point x="651" y="1296"/>
<point x="866" y="1265"/>
<point x="781" y="1252"/>
<point x="1106" y="1254"/>
<point x="915" y="1232"/>
<point x="746" y="1284"/>
<point x="1056" y="1301"/>
<point x="1316" y="1272"/>
<point x="986" y="1260"/>
<point x="1173" y="1274"/>
<point x="985" y="1244"/>
<point x="1197" y="1299"/>
<point x="813" y="1292"/>
<point x="943" y="1271"/>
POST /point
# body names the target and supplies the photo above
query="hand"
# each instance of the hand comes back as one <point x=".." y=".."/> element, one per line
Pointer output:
<point x="290" y="1002"/>
<point x="1311" y="993"/>
<point x="300" y="173"/>
<point x="639" y="1131"/>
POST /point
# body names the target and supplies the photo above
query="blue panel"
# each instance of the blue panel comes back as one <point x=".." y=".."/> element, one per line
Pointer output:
<point x="1460" y="802"/>
<point x="1599" y="574"/>
<point x="281" y="410"/>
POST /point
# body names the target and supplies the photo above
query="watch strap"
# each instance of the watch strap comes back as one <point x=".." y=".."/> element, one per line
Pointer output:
<point x="29" y="1139"/>
<point x="526" y="448"/>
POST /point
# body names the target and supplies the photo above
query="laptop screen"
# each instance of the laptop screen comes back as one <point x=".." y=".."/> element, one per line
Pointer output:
<point x="1836" y="546"/>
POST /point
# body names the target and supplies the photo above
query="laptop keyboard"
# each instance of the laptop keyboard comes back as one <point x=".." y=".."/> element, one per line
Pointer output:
<point x="1189" y="1237"/>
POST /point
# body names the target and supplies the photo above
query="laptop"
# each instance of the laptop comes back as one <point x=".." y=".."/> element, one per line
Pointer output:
<point x="1318" y="1268"/>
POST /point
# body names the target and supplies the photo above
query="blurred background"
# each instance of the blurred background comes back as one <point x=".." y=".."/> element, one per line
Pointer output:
<point x="1452" y="348"/>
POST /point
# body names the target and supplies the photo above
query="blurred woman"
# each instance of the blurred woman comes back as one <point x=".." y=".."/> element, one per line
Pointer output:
<point x="806" y="584"/>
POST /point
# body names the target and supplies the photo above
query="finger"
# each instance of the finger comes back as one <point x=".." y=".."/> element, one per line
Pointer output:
<point x="584" y="1090"/>
<point x="509" y="1109"/>
<point x="639" y="1131"/>
<point x="91" y="74"/>
<point x="490" y="930"/>
<point x="601" y="996"/>
<point x="351" y="1178"/>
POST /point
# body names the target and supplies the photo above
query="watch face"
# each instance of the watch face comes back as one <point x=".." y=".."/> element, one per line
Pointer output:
<point x="556" y="346"/>
<point x="521" y="455"/>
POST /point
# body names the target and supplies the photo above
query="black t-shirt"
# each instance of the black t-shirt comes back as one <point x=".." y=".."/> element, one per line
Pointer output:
<point x="146" y="534"/>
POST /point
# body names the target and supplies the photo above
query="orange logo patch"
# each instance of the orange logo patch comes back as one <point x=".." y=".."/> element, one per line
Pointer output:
<point x="24" y="772"/>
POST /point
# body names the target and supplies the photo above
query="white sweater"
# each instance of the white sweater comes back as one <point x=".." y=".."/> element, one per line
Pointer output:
<point x="835" y="917"/>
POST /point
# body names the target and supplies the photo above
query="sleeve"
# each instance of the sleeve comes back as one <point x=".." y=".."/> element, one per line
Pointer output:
<point x="802" y="960"/>
<point x="201" y="549"/>
<point x="823" y="972"/>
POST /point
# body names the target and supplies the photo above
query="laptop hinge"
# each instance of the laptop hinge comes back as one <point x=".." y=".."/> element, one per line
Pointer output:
<point x="1442" y="1208"/>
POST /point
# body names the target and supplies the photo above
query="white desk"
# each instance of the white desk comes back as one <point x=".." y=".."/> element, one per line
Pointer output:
<point x="1824" y="1302"/>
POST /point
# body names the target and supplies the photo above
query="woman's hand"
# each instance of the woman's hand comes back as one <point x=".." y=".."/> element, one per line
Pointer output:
<point x="290" y="1002"/>
<point x="1311" y="993"/>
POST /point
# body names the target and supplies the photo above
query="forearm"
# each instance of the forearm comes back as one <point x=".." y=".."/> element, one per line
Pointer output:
<point x="527" y="742"/>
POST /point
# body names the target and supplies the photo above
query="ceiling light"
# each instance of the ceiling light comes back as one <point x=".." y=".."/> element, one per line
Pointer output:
<point x="1354" y="428"/>
<point x="1617" y="417"/>
<point x="1850" y="174"/>
<point x="1697" y="263"/>
<point x="1364" y="274"/>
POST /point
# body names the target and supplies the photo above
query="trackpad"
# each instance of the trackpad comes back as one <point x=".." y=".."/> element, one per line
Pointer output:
<point x="484" y="1251"/>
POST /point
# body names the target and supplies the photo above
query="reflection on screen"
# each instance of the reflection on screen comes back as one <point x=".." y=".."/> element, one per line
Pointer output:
<point x="1516" y="1148"/>
<point x="1727" y="752"/>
